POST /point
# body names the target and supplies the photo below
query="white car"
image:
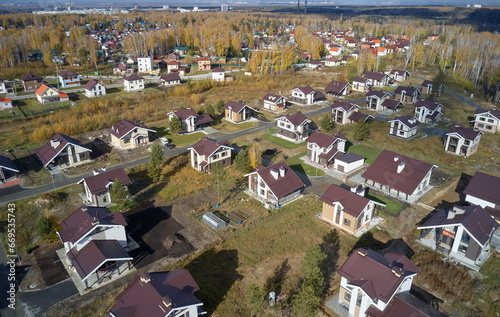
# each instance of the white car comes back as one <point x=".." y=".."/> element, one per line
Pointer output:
<point x="164" y="141"/>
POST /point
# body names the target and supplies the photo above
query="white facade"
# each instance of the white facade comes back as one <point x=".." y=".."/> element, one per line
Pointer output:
<point x="401" y="130"/>
<point x="73" y="81"/>
<point x="458" y="145"/>
<point x="133" y="85"/>
<point x="421" y="113"/>
<point x="486" y="122"/>
<point x="187" y="124"/>
<point x="218" y="76"/>
<point x="332" y="63"/>
<point x="145" y="64"/>
<point x="273" y="105"/>
<point x="221" y="154"/>
<point x="315" y="150"/>
<point x="96" y="90"/>
<point x="347" y="167"/>
<point x="5" y="103"/>
<point x="305" y="99"/>
<point x="3" y="90"/>
<point x="100" y="232"/>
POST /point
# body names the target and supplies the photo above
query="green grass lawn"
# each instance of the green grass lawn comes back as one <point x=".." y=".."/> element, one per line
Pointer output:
<point x="32" y="107"/>
<point x="279" y="141"/>
<point x="179" y="140"/>
<point x="369" y="152"/>
<point x="228" y="127"/>
<point x="9" y="114"/>
<point x="392" y="207"/>
<point x="298" y="165"/>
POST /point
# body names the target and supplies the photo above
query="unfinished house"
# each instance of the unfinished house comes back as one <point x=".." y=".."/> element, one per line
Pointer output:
<point x="462" y="141"/>
<point x="341" y="111"/>
<point x="407" y="94"/>
<point x="306" y="96"/>
<point x="237" y="111"/>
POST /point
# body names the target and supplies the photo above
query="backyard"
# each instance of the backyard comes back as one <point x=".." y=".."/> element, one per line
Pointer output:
<point x="298" y="165"/>
<point x="280" y="141"/>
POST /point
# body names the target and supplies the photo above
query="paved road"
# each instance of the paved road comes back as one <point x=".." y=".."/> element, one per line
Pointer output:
<point x="36" y="303"/>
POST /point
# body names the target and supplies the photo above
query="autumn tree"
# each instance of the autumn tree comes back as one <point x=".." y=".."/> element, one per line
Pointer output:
<point x="255" y="155"/>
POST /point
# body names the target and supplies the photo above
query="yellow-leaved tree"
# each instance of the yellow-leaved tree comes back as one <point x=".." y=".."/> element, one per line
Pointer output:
<point x="255" y="155"/>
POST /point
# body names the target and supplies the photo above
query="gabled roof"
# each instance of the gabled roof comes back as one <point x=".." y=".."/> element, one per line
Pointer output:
<point x="6" y="163"/>
<point x="296" y="119"/>
<point x="493" y="112"/>
<point x="357" y="116"/>
<point x="55" y="145"/>
<point x="218" y="70"/>
<point x="408" y="121"/>
<point x="30" y="77"/>
<point x="305" y="89"/>
<point x="431" y="105"/>
<point x="336" y="86"/>
<point x="184" y="114"/>
<point x="485" y="187"/>
<point x="346" y="106"/>
<point x="85" y="219"/>
<point x="377" y="93"/>
<point x="203" y="118"/>
<point x="404" y="304"/>
<point x="427" y="83"/>
<point x="273" y="98"/>
<point x="173" y="62"/>
<point x="283" y="185"/>
<point x="42" y="89"/>
<point x="171" y="77"/>
<point x="5" y="100"/>
<point x="324" y="140"/>
<point x="479" y="223"/>
<point x="466" y="133"/>
<point x="407" y="90"/>
<point x="375" y="76"/>
<point x="399" y="72"/>
<point x="133" y="78"/>
<point x="100" y="183"/>
<point x="124" y="127"/>
<point x="156" y="295"/>
<point x="384" y="171"/>
<point x="349" y="157"/>
<point x="379" y="276"/>
<point x="359" y="80"/>
<point x="68" y="73"/>
<point x="236" y="106"/>
<point x="391" y="103"/>
<point x="90" y="84"/>
<point x="208" y="146"/>
<point x="352" y="203"/>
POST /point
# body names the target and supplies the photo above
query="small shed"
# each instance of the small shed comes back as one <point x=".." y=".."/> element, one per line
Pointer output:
<point x="213" y="221"/>
<point x="348" y="162"/>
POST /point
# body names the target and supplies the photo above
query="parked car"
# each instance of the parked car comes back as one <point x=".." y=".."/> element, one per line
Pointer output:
<point x="164" y="141"/>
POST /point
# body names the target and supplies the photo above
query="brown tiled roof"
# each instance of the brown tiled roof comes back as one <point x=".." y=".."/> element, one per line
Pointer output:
<point x="203" y="118"/>
<point x="218" y="70"/>
<point x="97" y="183"/>
<point x="170" y="77"/>
<point x="336" y="86"/>
<point x="374" y="272"/>
<point x="90" y="84"/>
<point x="379" y="93"/>
<point x="494" y="112"/>
<point x="306" y="89"/>
<point x="427" y="82"/>
<point x="84" y="219"/>
<point x="398" y="71"/>
<point x="384" y="171"/>
<point x="485" y="187"/>
<point x="431" y="105"/>
<point x="296" y="119"/>
<point x="347" y="106"/>
<point x="207" y="146"/>
<point x="133" y="78"/>
<point x="359" y="80"/>
<point x="408" y="121"/>
<point x="407" y="90"/>
<point x="358" y="116"/>
<point x="466" y="133"/>
<point x="123" y="127"/>
<point x="156" y="294"/>
<point x="30" y="77"/>
<point x="352" y="203"/>
<point x="272" y="97"/>
<point x="284" y="185"/>
<point x="183" y="114"/>
<point x="349" y="157"/>
<point x="236" y="106"/>
<point x="404" y="304"/>
<point x="68" y="73"/>
<point x="375" y="75"/>
<point x="391" y="103"/>
<point x="475" y="219"/>
<point x="47" y="153"/>
<point x="94" y="254"/>
<point x="173" y="63"/>
<point x="323" y="140"/>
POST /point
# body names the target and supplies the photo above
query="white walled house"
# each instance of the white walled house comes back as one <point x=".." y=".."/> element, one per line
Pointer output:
<point x="332" y="62"/>
<point x="62" y="150"/>
<point x="274" y="103"/>
<point x="404" y="127"/>
<point x="399" y="74"/>
<point x="341" y="111"/>
<point x="69" y="79"/>
<point x="293" y="127"/>
<point x="206" y="153"/>
<point x="359" y="84"/>
<point x="97" y="187"/>
<point x="133" y="83"/>
<point x="407" y="94"/>
<point x="428" y="111"/>
<point x="218" y="74"/>
<point x="144" y="64"/>
<point x="482" y="190"/>
<point x="93" y="89"/>
<point x="305" y="95"/>
<point x="190" y="119"/>
<point x="375" y="100"/>
<point x="376" y="79"/>
<point x="322" y="148"/>
<point x="5" y="103"/>
<point x="47" y="95"/>
<point x="338" y="89"/>
<point x="169" y="80"/>
<point x="349" y="162"/>
<point x="462" y="141"/>
<point x="487" y="120"/>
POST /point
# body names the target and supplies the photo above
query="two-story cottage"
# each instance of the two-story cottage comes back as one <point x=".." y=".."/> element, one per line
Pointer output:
<point x="322" y="148"/>
<point x="159" y="294"/>
<point x="461" y="232"/>
<point x="6" y="88"/>
<point x="133" y="83"/>
<point x="407" y="94"/>
<point x="375" y="285"/>
<point x="276" y="184"/>
<point x="123" y="69"/>
<point x="128" y="135"/>
<point x="376" y="79"/>
<point x="399" y="74"/>
<point x="172" y="66"/>
<point x="360" y="84"/>
<point x="347" y="210"/>
<point x="69" y="79"/>
<point x="341" y="111"/>
<point x="204" y="63"/>
<point x="487" y="120"/>
<point x="206" y="153"/>
<point x="93" y="88"/>
<point x="375" y="100"/>
<point x="218" y="74"/>
<point x="482" y="190"/>
<point x="404" y="127"/>
<point x="97" y="187"/>
<point x="144" y="64"/>
<point x="190" y="119"/>
<point x="8" y="171"/>
<point x="338" y="89"/>
<point x="274" y="103"/>
<point x="306" y="96"/>
<point x="237" y="111"/>
<point x="398" y="175"/>
<point x="427" y="87"/>
<point x="5" y="103"/>
<point x="294" y="127"/>
<point x="63" y="150"/>
<point x="428" y="111"/>
<point x="32" y="82"/>
<point x="46" y="95"/>
<point x="462" y="141"/>
<point x="332" y="61"/>
<point x="168" y="80"/>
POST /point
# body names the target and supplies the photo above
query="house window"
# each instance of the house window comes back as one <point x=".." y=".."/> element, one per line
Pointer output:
<point x="347" y="222"/>
<point x="482" y="119"/>
<point x="462" y="248"/>
<point x="127" y="140"/>
<point x="490" y="120"/>
<point x="480" y="125"/>
<point x="262" y="192"/>
<point x="288" y="126"/>
<point x="255" y="179"/>
<point x="465" y="238"/>
<point x="104" y="199"/>
<point x="358" y="300"/>
<point x="488" y="127"/>
<point x="347" y="296"/>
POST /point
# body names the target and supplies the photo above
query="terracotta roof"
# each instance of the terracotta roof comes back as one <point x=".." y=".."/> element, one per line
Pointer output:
<point x="272" y="97"/>
<point x="407" y="90"/>
<point x="62" y="95"/>
<point x="171" y="77"/>
<point x="475" y="219"/>
<point x="404" y="304"/>
<point x="336" y="86"/>
<point x="6" y="163"/>
<point x="94" y="254"/>
<point x="208" y="146"/>
<point x="466" y="133"/>
<point x="30" y="77"/>
<point x="485" y="187"/>
<point x="218" y="70"/>
<point x="391" y="103"/>
<point x="132" y="78"/>
<point x="48" y="152"/>
<point x="323" y="140"/>
<point x="347" y="106"/>
<point x="493" y="112"/>
<point x="431" y="105"/>
<point x="384" y="171"/>
<point x="123" y="127"/>
<point x="378" y="93"/>
<point x="296" y="119"/>
<point x="284" y="185"/>
<point x="375" y="75"/>
<point x="41" y="89"/>
<point x="90" y="84"/>
<point x="357" y="116"/>
<point x="408" y="121"/>
<point x="5" y="100"/>
<point x="84" y="219"/>
<point x="236" y="106"/>
<point x="352" y="203"/>
<point x="156" y="294"/>
<point x="68" y="73"/>
<point x="99" y="183"/>
<point x="375" y="273"/>
<point x="349" y="157"/>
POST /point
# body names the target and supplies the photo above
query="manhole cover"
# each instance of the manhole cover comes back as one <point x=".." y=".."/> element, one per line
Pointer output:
<point x="34" y="285"/>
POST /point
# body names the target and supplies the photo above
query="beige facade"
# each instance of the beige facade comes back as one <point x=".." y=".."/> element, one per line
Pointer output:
<point x="132" y="140"/>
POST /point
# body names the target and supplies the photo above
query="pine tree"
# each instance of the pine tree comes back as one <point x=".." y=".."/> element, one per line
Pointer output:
<point x="362" y="131"/>
<point x="326" y="124"/>
<point x="242" y="162"/>
<point x="175" y="125"/>
<point x="118" y="191"/>
<point x="220" y="106"/>
<point x="219" y="180"/>
<point x="210" y="110"/>
<point x="154" y="166"/>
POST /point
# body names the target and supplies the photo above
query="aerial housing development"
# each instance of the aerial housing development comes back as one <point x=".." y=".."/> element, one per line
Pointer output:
<point x="305" y="159"/>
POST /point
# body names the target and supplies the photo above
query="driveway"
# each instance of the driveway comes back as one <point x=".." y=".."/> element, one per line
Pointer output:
<point x="434" y="131"/>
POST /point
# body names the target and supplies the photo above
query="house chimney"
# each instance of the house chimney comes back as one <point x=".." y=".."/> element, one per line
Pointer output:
<point x="401" y="166"/>
<point x="84" y="208"/>
<point x="354" y="188"/>
<point x="103" y="169"/>
<point x="274" y="173"/>
<point x="282" y="171"/>
<point x="362" y="252"/>
<point x="398" y="271"/>
<point x="144" y="278"/>
<point x="55" y="143"/>
<point x="95" y="171"/>
<point x="494" y="108"/>
<point x="361" y="191"/>
<point x="457" y="125"/>
<point x="396" y="158"/>
<point x="137" y="122"/>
